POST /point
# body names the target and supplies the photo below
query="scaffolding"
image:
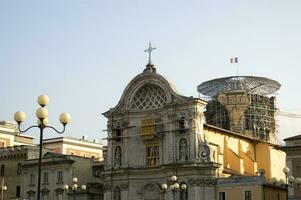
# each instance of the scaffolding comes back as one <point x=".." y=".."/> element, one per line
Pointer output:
<point x="257" y="119"/>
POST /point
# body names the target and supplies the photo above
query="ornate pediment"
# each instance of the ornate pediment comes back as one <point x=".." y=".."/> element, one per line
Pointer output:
<point x="145" y="92"/>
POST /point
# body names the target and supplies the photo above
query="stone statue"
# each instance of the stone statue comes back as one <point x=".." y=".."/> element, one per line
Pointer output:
<point x="183" y="155"/>
<point x="118" y="157"/>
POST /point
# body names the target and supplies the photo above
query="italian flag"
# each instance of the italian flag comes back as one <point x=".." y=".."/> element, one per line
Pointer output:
<point x="234" y="60"/>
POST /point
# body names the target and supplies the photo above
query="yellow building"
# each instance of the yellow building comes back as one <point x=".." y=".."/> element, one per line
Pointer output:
<point x="243" y="155"/>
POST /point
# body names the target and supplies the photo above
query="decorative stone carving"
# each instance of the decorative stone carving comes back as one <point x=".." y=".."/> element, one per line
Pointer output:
<point x="150" y="187"/>
<point x="118" y="154"/>
<point x="124" y="186"/>
<point x="107" y="187"/>
<point x="183" y="151"/>
<point x="187" y="115"/>
<point x="204" y="153"/>
<point x="113" y="124"/>
<point x="201" y="182"/>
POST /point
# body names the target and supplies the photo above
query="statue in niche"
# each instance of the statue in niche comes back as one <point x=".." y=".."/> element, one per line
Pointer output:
<point x="183" y="153"/>
<point x="117" y="157"/>
<point x="204" y="152"/>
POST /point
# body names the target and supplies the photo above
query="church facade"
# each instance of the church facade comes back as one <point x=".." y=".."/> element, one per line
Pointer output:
<point x="160" y="147"/>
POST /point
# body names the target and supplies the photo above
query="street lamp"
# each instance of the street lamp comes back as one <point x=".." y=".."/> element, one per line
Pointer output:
<point x="2" y="188"/>
<point x="42" y="114"/>
<point x="173" y="186"/>
<point x="74" y="186"/>
<point x="290" y="181"/>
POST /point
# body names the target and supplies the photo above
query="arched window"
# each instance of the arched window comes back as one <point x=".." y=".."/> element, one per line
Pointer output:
<point x="149" y="97"/>
<point x="117" y="193"/>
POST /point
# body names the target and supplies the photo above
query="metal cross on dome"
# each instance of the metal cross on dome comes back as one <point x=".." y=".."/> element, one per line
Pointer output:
<point x="149" y="50"/>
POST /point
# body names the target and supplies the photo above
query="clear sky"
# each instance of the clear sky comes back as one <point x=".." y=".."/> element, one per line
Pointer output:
<point x="82" y="53"/>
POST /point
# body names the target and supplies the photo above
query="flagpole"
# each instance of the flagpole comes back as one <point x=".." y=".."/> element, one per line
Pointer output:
<point x="234" y="60"/>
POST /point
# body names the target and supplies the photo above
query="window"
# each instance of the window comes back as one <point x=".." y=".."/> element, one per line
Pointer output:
<point x="18" y="191"/>
<point x="118" y="134"/>
<point x="32" y="179"/>
<point x="45" y="178"/>
<point x="117" y="193"/>
<point x="149" y="97"/>
<point x="248" y="195"/>
<point x="60" y="176"/>
<point x="59" y="192"/>
<point x="59" y="196"/>
<point x="2" y="170"/>
<point x="153" y="155"/>
<point x="72" y="153"/>
<point x="19" y="169"/>
<point x="221" y="196"/>
<point x="45" y="194"/>
<point x="2" y="144"/>
<point x="31" y="195"/>
<point x="148" y="129"/>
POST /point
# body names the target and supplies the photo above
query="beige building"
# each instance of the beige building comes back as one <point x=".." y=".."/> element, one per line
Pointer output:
<point x="10" y="136"/>
<point x="11" y="159"/>
<point x="59" y="170"/>
<point x="78" y="147"/>
<point x="293" y="158"/>
<point x="249" y="188"/>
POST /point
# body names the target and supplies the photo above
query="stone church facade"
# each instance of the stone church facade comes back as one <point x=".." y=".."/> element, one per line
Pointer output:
<point x="155" y="134"/>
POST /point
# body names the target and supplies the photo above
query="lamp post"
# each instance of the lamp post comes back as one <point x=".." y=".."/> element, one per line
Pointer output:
<point x="173" y="186"/>
<point x="42" y="114"/>
<point x="3" y="188"/>
<point x="74" y="187"/>
<point x="285" y="171"/>
<point x="290" y="181"/>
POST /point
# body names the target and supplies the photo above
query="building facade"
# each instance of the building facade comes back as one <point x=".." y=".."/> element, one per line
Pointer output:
<point x="248" y="188"/>
<point x="11" y="159"/>
<point x="59" y="170"/>
<point x="10" y="136"/>
<point x="155" y="133"/>
<point x="73" y="146"/>
<point x="293" y="158"/>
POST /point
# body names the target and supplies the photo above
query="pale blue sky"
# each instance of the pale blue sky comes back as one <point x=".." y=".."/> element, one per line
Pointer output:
<point x="82" y="53"/>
